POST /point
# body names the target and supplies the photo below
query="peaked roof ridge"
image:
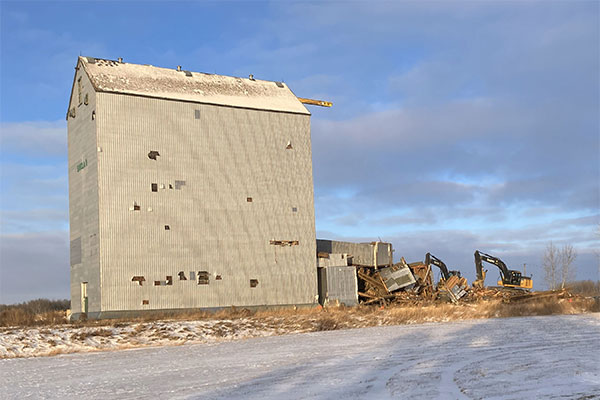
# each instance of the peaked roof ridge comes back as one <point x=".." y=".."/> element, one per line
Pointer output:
<point x="200" y="87"/>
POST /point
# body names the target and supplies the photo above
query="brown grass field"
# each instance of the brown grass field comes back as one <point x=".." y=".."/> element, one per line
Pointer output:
<point x="330" y="318"/>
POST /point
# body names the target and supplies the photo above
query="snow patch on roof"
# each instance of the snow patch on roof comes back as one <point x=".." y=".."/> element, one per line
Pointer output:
<point x="147" y="80"/>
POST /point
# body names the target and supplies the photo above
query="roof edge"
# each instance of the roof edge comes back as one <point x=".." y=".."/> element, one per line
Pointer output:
<point x="148" y="96"/>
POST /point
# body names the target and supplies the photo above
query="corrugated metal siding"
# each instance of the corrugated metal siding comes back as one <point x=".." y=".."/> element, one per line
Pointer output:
<point x="224" y="157"/>
<point x="83" y="198"/>
<point x="339" y="284"/>
<point x="362" y="253"/>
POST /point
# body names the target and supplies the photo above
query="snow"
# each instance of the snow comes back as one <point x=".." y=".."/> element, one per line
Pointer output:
<point x="27" y="342"/>
<point x="512" y="358"/>
<point x="148" y="80"/>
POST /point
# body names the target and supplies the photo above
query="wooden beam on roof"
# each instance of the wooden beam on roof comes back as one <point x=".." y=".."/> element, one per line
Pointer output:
<point x="321" y="103"/>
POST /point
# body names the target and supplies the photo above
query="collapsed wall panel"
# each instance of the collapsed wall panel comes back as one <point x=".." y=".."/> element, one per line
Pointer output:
<point x="338" y="285"/>
<point x="373" y="254"/>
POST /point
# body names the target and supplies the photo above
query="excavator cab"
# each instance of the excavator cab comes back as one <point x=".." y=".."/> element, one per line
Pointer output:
<point x="508" y="278"/>
<point x="517" y="280"/>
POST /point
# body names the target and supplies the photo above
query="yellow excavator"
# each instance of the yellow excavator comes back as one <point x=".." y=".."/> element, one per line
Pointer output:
<point x="508" y="278"/>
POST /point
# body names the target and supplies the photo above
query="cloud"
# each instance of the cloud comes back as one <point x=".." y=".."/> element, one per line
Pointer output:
<point x="34" y="139"/>
<point x="34" y="265"/>
<point x="27" y="189"/>
<point x="34" y="220"/>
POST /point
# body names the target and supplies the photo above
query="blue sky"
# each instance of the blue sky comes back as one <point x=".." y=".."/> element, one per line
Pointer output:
<point x="456" y="125"/>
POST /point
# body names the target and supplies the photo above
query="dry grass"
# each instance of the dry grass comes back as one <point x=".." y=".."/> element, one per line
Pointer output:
<point x="20" y="317"/>
<point x="34" y="313"/>
<point x="324" y="319"/>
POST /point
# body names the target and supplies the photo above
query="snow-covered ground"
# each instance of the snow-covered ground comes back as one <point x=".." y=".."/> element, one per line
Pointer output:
<point x="512" y="358"/>
<point x="44" y="341"/>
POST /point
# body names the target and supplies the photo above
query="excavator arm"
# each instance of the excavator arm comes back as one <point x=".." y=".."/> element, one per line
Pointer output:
<point x="431" y="259"/>
<point x="509" y="278"/>
<point x="480" y="256"/>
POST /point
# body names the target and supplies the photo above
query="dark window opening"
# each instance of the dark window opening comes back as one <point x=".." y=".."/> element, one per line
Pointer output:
<point x="179" y="184"/>
<point x="182" y="276"/>
<point x="167" y="228"/>
<point x="294" y="209"/>
<point x="170" y="186"/>
<point x="197" y="114"/>
<point x="279" y="84"/>
<point x="253" y="283"/>
<point x="249" y="199"/>
<point x="93" y="115"/>
<point x="156" y="283"/>
<point x="86" y="100"/>
<point x="218" y="278"/>
<point x="169" y="280"/>
<point x="136" y="207"/>
<point x="203" y="277"/>
<point x="154" y="187"/>
<point x="153" y="154"/>
<point x="145" y="302"/>
<point x="79" y="90"/>
<point x="138" y="279"/>
<point x="289" y="146"/>
<point x="284" y="242"/>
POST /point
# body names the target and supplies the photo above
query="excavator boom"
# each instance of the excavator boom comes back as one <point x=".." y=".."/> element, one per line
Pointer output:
<point x="509" y="278"/>
<point x="431" y="259"/>
<point x="312" y="102"/>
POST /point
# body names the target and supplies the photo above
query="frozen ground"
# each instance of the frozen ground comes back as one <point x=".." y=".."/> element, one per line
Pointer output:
<point x="513" y="358"/>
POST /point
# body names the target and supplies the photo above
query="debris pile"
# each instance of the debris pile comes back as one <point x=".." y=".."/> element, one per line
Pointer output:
<point x="407" y="283"/>
<point x="515" y="295"/>
<point x="453" y="289"/>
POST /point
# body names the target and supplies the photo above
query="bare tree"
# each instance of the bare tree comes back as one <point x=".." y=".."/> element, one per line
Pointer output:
<point x="567" y="266"/>
<point x="550" y="263"/>
<point x="558" y="264"/>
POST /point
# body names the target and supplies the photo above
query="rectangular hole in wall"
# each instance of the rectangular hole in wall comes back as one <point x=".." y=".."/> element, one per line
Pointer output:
<point x="294" y="209"/>
<point x="218" y="278"/>
<point x="154" y="187"/>
<point x="203" y="277"/>
<point x="153" y="154"/>
<point x="138" y="279"/>
<point x="136" y="207"/>
<point x="181" y="275"/>
<point x="284" y="242"/>
<point x="156" y="283"/>
<point x="145" y="302"/>
<point x="179" y="184"/>
<point x="169" y="280"/>
<point x="249" y="199"/>
<point x="167" y="228"/>
<point x="253" y="283"/>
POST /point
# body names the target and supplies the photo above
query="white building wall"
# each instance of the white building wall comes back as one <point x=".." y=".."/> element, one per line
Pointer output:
<point x="83" y="195"/>
<point x="225" y="156"/>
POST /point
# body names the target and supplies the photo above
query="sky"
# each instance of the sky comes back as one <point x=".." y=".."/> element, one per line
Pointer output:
<point x="456" y="126"/>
